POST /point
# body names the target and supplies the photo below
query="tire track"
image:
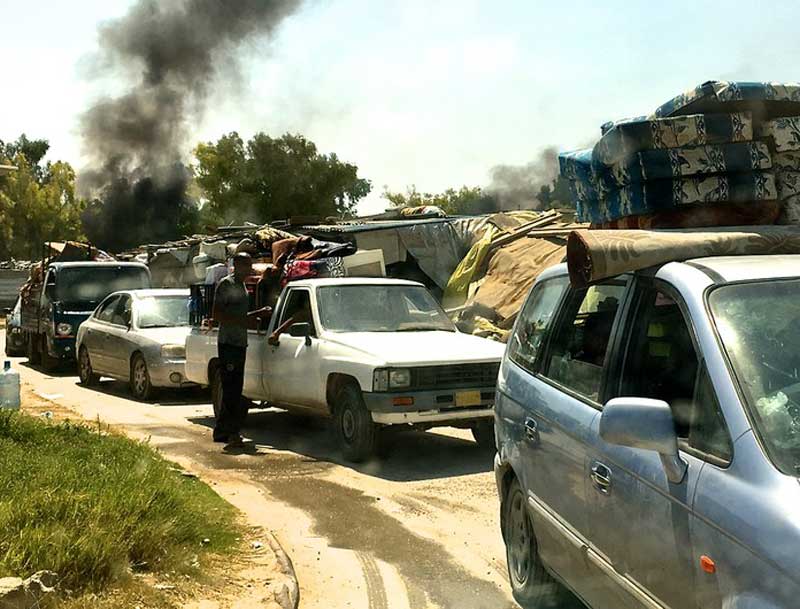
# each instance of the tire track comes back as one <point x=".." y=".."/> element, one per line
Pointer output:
<point x="376" y="592"/>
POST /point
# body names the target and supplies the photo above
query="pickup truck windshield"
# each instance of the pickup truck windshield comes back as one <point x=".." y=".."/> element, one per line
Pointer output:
<point x="163" y="311"/>
<point x="380" y="308"/>
<point x="85" y="286"/>
<point x="759" y="325"/>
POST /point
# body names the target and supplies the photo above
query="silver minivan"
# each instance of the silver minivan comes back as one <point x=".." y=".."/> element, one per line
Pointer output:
<point x="648" y="434"/>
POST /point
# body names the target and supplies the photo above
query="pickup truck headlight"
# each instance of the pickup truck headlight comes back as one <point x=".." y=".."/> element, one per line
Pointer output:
<point x="385" y="379"/>
<point x="64" y="329"/>
<point x="173" y="351"/>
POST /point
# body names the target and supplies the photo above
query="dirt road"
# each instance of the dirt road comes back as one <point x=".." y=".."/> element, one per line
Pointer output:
<point x="417" y="529"/>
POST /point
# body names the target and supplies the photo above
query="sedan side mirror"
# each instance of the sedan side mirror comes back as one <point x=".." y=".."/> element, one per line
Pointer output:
<point x="645" y="424"/>
<point x="301" y="330"/>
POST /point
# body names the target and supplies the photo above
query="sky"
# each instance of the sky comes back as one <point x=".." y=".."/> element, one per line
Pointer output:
<point x="432" y="93"/>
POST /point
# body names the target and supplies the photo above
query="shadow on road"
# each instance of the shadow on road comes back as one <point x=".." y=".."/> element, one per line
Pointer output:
<point x="65" y="370"/>
<point x="407" y="455"/>
<point x="191" y="396"/>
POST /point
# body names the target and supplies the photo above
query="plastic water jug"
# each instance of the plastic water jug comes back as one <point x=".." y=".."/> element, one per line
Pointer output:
<point x="9" y="387"/>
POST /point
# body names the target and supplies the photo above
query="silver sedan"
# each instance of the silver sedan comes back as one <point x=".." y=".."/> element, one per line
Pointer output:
<point x="136" y="336"/>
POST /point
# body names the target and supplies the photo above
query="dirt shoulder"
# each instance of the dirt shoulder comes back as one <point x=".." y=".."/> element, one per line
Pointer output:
<point x="258" y="575"/>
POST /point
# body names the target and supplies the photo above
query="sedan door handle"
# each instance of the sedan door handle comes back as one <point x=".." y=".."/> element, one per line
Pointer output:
<point x="532" y="430"/>
<point x="601" y="476"/>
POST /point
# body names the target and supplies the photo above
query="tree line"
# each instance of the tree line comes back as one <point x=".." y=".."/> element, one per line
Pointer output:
<point x="230" y="181"/>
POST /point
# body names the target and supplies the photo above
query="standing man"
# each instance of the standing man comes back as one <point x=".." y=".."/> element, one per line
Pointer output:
<point x="231" y="304"/>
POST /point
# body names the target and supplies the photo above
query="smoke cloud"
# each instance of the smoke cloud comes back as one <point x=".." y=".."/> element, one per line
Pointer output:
<point x="172" y="54"/>
<point x="517" y="186"/>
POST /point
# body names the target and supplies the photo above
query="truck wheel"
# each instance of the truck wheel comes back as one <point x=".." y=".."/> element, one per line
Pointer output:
<point x="32" y="346"/>
<point x="215" y="380"/>
<point x="483" y="432"/>
<point x="358" y="435"/>
<point x="49" y="363"/>
<point x="85" y="370"/>
<point x="141" y="388"/>
<point x="531" y="584"/>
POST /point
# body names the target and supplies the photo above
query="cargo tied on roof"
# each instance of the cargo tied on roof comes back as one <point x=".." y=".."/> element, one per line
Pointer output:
<point x="721" y="154"/>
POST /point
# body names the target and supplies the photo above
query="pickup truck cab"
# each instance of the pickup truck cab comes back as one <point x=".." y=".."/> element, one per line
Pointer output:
<point x="369" y="353"/>
<point x="648" y="431"/>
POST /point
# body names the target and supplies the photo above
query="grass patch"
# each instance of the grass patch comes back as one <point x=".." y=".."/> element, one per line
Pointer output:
<point x="93" y="507"/>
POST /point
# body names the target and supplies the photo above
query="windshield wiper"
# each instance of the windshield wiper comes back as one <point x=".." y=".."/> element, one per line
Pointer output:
<point x="423" y="329"/>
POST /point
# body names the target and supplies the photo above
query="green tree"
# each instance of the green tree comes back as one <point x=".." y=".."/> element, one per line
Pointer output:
<point x="37" y="201"/>
<point x="269" y="179"/>
<point x="464" y="201"/>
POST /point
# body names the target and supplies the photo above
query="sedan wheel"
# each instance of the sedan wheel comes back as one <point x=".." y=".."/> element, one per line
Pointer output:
<point x="531" y="584"/>
<point x="85" y="370"/>
<point x="141" y="388"/>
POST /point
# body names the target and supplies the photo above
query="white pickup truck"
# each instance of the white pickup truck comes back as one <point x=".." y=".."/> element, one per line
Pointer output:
<point x="368" y="353"/>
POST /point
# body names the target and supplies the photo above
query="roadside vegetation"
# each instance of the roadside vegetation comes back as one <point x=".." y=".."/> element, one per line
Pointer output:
<point x="96" y="507"/>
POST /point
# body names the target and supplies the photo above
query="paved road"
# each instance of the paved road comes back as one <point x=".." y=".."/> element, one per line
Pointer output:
<point x="417" y="529"/>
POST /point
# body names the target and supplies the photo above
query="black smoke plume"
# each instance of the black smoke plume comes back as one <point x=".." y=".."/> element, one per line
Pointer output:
<point x="172" y="54"/>
<point x="520" y="186"/>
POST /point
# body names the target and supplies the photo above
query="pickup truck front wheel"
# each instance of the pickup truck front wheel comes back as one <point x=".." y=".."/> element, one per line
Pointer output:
<point x="483" y="432"/>
<point x="358" y="435"/>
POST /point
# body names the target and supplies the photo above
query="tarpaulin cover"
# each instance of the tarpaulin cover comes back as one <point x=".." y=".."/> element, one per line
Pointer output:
<point x="663" y="195"/>
<point x="455" y="293"/>
<point x="439" y="248"/>
<point x="593" y="255"/>
<point x="624" y="138"/>
<point x="512" y="271"/>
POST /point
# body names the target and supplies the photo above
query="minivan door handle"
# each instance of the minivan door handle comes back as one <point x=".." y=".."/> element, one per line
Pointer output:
<point x="532" y="430"/>
<point x="601" y="477"/>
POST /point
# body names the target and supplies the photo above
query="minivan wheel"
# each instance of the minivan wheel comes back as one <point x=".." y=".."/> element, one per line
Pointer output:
<point x="85" y="371"/>
<point x="215" y="380"/>
<point x="531" y="585"/>
<point x="483" y="432"/>
<point x="358" y="435"/>
<point x="141" y="387"/>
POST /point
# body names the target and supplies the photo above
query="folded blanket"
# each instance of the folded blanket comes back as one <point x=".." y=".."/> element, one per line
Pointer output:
<point x="764" y="99"/>
<point x="665" y="163"/>
<point x="624" y="138"/>
<point x="593" y="255"/>
<point x="784" y="131"/>
<point x="663" y="195"/>
<point x="699" y="216"/>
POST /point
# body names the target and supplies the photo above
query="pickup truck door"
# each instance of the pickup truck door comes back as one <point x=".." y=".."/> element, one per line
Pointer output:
<point x="254" y="382"/>
<point x="291" y="368"/>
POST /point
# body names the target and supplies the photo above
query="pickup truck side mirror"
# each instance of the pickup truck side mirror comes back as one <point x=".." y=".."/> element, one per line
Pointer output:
<point x="301" y="330"/>
<point x="646" y="424"/>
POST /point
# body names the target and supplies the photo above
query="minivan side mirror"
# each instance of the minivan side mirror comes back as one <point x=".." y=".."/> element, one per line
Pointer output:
<point x="646" y="424"/>
<point x="301" y="330"/>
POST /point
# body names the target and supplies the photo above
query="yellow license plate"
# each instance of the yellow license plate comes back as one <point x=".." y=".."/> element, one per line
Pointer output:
<point x="468" y="398"/>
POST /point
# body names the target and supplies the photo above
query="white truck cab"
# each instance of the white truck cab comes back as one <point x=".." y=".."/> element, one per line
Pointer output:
<point x="367" y="352"/>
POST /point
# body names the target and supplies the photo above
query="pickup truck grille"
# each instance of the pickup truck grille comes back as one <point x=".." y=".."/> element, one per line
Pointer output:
<point x="455" y="376"/>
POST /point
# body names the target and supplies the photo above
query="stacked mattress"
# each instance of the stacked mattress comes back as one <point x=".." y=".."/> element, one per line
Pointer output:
<point x="724" y="153"/>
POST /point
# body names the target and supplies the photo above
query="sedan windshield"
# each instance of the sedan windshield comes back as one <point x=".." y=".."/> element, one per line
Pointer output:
<point x="381" y="308"/>
<point x="163" y="311"/>
<point x="759" y="324"/>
